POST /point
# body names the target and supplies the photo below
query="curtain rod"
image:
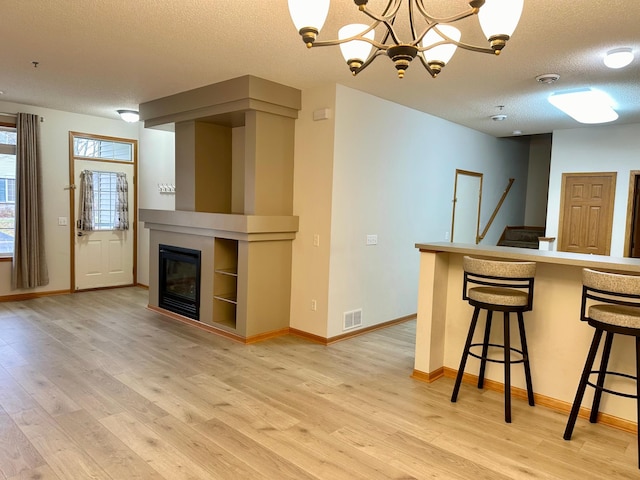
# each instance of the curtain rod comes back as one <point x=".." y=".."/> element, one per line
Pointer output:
<point x="4" y="114"/>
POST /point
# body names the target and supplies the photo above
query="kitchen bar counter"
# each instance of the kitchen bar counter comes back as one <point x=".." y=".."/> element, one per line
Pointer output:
<point x="558" y="341"/>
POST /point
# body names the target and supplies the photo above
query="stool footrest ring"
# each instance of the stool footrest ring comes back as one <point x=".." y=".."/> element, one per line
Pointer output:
<point x="494" y="360"/>
<point x="613" y="392"/>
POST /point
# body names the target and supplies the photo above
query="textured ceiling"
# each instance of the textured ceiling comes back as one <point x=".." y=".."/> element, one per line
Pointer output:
<point x="96" y="56"/>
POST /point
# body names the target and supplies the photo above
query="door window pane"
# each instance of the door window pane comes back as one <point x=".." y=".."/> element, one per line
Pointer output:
<point x="102" y="149"/>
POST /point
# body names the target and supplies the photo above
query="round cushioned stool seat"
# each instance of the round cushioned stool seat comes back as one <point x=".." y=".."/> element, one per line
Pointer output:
<point x="619" y="315"/>
<point x="496" y="268"/>
<point x="499" y="296"/>
<point x="497" y="286"/>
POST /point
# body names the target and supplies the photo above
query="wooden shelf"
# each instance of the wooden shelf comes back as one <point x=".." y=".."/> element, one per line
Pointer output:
<point x="227" y="271"/>
<point x="225" y="282"/>
<point x="230" y="297"/>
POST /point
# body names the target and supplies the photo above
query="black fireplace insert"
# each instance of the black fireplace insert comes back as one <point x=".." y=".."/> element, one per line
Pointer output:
<point x="179" y="285"/>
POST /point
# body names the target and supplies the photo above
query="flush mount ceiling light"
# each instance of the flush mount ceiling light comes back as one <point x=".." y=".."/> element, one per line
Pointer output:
<point x="547" y="78"/>
<point x="433" y="40"/>
<point x="585" y="105"/>
<point x="129" y="115"/>
<point x="618" y="57"/>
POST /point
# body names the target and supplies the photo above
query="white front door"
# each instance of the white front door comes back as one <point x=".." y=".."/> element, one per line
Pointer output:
<point x="103" y="257"/>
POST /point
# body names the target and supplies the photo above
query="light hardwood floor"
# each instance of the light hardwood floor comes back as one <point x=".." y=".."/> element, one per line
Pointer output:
<point x="94" y="386"/>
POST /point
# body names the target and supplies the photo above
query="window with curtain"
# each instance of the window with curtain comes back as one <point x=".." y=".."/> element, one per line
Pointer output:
<point x="103" y="201"/>
<point x="7" y="189"/>
<point x="103" y="194"/>
<point x="29" y="265"/>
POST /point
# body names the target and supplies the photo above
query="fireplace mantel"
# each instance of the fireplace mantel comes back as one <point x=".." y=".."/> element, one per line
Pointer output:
<point x="234" y="154"/>
<point x="238" y="227"/>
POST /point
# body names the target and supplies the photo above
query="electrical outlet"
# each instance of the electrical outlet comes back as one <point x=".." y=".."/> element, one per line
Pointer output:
<point x="314" y="305"/>
<point x="62" y="221"/>
<point x="316" y="240"/>
<point x="446" y="235"/>
<point x="372" y="239"/>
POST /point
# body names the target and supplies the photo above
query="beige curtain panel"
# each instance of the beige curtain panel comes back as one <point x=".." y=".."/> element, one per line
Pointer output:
<point x="29" y="263"/>
<point x="122" y="203"/>
<point x="87" y="203"/>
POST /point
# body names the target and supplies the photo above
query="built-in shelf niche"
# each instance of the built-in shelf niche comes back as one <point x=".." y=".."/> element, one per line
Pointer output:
<point x="225" y="282"/>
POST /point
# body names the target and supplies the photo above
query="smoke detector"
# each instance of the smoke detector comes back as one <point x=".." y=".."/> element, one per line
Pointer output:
<point x="547" y="78"/>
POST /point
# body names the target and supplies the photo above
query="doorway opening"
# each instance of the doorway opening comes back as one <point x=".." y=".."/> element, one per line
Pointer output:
<point x="467" y="197"/>
<point x="632" y="237"/>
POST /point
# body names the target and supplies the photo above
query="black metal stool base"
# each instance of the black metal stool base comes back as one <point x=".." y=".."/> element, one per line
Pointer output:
<point x="602" y="372"/>
<point x="507" y="348"/>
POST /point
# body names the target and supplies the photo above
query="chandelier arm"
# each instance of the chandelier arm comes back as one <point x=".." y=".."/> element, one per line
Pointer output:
<point x="416" y="41"/>
<point x="386" y="17"/>
<point x="369" y="60"/>
<point x="454" y="18"/>
<point x="388" y="14"/>
<point x="412" y="24"/>
<point x="472" y="48"/>
<point x="426" y="66"/>
<point x="333" y="43"/>
<point x="449" y="40"/>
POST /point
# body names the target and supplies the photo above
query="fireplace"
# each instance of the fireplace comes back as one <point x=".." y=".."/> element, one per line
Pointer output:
<point x="179" y="282"/>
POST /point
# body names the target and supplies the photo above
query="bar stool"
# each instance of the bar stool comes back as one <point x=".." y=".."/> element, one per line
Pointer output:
<point x="503" y="287"/>
<point x="619" y="313"/>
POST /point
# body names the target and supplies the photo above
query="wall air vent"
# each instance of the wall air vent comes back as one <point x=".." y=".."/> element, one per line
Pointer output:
<point x="352" y="319"/>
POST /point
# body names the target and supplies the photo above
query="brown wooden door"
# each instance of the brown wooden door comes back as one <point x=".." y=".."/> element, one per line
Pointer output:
<point x="586" y="216"/>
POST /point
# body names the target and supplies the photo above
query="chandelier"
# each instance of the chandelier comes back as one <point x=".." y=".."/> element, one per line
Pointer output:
<point x="433" y="40"/>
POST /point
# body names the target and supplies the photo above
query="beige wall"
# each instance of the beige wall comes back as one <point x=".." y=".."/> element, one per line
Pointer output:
<point x="312" y="192"/>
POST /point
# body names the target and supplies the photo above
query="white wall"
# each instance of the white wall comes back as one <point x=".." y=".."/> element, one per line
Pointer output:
<point x="595" y="149"/>
<point x="55" y="173"/>
<point x="393" y="176"/>
<point x="156" y="165"/>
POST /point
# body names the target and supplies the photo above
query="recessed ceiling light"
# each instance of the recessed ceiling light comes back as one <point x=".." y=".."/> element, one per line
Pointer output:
<point x="585" y="105"/>
<point x="618" y="57"/>
<point x="499" y="118"/>
<point x="517" y="132"/>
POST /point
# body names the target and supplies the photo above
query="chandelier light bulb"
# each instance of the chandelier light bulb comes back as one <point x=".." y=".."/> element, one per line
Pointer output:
<point x="305" y="13"/>
<point x="618" y="57"/>
<point x="441" y="53"/>
<point x="499" y="18"/>
<point x="355" y="52"/>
